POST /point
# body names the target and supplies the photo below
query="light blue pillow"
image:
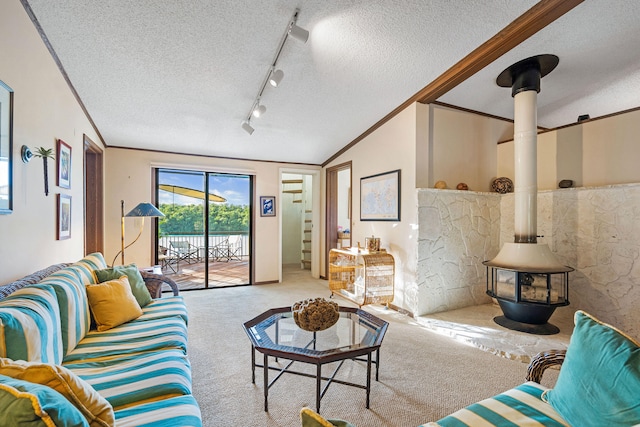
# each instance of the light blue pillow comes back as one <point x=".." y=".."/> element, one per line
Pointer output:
<point x="599" y="382"/>
<point x="33" y="405"/>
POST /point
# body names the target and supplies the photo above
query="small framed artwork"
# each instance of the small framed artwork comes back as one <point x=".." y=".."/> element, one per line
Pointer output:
<point x="64" y="164"/>
<point x="380" y="197"/>
<point x="64" y="217"/>
<point x="267" y="206"/>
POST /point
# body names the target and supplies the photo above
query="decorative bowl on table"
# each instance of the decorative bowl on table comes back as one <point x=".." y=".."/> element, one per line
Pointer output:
<point x="315" y="314"/>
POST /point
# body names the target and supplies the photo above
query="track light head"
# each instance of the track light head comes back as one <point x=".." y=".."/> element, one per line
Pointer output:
<point x="298" y="33"/>
<point x="276" y="78"/>
<point x="247" y="128"/>
<point x="259" y="110"/>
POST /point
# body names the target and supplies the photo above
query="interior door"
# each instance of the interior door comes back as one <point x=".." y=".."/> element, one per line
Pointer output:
<point x="338" y="213"/>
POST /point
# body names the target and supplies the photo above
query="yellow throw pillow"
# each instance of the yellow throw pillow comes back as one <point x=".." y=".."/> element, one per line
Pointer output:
<point x="78" y="392"/>
<point x="310" y="418"/>
<point x="112" y="303"/>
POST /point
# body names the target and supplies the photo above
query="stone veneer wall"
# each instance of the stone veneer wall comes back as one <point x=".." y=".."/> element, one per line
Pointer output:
<point x="594" y="230"/>
<point x="457" y="230"/>
<point x="597" y="232"/>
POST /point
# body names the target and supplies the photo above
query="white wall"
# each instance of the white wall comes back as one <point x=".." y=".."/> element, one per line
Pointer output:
<point x="595" y="153"/>
<point x="44" y="110"/>
<point x="128" y="177"/>
<point x="463" y="147"/>
<point x="390" y="147"/>
<point x="458" y="231"/>
<point x="428" y="143"/>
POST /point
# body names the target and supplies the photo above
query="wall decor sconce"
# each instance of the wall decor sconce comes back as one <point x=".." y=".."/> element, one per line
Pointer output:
<point x="45" y="154"/>
<point x="26" y="154"/>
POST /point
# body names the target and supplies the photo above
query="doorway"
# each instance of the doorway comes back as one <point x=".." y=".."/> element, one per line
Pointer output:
<point x="204" y="240"/>
<point x="93" y="200"/>
<point x="299" y="221"/>
<point x="339" y="215"/>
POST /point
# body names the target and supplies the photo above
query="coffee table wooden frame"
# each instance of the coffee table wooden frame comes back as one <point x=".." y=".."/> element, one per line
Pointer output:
<point x="309" y="355"/>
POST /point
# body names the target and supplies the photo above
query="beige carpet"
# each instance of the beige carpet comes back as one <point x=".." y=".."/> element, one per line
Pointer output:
<point x="423" y="375"/>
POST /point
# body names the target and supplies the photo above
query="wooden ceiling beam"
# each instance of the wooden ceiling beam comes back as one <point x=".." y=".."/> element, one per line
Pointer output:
<point x="529" y="23"/>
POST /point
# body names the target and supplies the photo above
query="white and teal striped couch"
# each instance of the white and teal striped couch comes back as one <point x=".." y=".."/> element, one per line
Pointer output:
<point x="140" y="367"/>
<point x="598" y="385"/>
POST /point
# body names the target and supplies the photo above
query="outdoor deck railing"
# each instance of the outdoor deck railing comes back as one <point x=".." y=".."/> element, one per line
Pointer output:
<point x="198" y="241"/>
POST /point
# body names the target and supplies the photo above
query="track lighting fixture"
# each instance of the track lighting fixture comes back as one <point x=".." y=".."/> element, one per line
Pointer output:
<point x="246" y="126"/>
<point x="276" y="78"/>
<point x="259" y="110"/>
<point x="274" y="75"/>
<point x="298" y="33"/>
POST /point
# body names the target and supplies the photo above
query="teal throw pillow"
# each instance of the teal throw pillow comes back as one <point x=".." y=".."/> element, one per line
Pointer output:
<point x="23" y="403"/>
<point x="138" y="288"/>
<point x="599" y="381"/>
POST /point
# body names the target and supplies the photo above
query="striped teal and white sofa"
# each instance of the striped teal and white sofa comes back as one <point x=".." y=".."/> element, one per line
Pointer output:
<point x="134" y="374"/>
<point x="598" y="385"/>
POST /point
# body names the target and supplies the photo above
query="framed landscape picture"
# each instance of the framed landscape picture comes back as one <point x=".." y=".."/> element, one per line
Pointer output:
<point x="380" y="197"/>
<point x="267" y="206"/>
<point x="64" y="164"/>
<point x="64" y="217"/>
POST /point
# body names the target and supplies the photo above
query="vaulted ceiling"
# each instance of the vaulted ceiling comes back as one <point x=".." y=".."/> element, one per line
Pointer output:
<point x="182" y="76"/>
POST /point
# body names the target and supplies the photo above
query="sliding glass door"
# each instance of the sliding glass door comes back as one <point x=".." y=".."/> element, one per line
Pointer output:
<point x="204" y="239"/>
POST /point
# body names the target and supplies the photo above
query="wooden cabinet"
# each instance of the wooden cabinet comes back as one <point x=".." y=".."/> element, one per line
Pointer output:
<point x="362" y="277"/>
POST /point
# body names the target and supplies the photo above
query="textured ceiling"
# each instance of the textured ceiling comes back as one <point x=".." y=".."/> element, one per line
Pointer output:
<point x="182" y="76"/>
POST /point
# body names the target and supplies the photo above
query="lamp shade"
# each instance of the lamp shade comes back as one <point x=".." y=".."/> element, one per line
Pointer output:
<point x="145" y="209"/>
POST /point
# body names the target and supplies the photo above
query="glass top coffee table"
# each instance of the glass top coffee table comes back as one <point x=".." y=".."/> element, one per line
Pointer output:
<point x="356" y="335"/>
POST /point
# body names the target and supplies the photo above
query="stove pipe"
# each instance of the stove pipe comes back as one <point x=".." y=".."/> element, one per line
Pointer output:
<point x="524" y="79"/>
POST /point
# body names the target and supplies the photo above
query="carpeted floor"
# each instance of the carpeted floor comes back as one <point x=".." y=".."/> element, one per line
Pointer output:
<point x="423" y="376"/>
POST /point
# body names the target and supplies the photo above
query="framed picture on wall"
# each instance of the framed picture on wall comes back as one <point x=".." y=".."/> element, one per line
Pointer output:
<point x="380" y="197"/>
<point x="64" y="164"/>
<point x="64" y="217"/>
<point x="267" y="206"/>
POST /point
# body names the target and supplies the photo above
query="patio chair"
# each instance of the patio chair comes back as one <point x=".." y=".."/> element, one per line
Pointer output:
<point x="185" y="251"/>
<point x="167" y="260"/>
<point x="235" y="247"/>
<point x="220" y="251"/>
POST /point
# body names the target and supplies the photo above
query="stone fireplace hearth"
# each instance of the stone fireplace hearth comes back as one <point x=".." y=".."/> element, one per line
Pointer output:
<point x="594" y="229"/>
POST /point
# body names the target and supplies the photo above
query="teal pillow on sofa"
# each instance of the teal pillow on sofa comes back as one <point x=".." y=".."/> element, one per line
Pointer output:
<point x="599" y="382"/>
<point x="28" y="404"/>
<point x="136" y="281"/>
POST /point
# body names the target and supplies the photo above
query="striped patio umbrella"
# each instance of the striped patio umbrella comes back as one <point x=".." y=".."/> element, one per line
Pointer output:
<point x="190" y="192"/>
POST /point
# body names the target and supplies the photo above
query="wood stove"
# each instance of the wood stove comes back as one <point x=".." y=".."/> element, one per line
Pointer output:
<point x="525" y="277"/>
<point x="528" y="292"/>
